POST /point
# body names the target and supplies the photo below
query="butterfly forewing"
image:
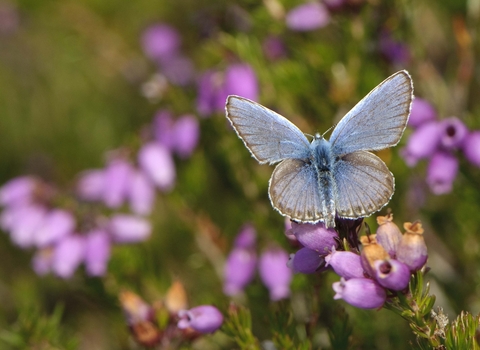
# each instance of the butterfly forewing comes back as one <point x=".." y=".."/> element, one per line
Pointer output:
<point x="269" y="136"/>
<point x="294" y="191"/>
<point x="364" y="184"/>
<point x="378" y="120"/>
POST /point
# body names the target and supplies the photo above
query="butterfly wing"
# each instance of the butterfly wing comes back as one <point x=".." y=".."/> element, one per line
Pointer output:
<point x="268" y="136"/>
<point x="378" y="120"/>
<point x="364" y="184"/>
<point x="294" y="192"/>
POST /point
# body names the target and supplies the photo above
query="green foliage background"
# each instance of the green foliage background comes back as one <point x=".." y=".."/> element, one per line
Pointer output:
<point x="70" y="80"/>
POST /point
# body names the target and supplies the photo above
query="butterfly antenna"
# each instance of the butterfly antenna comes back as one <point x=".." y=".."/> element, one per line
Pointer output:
<point x="309" y="135"/>
<point x="330" y="128"/>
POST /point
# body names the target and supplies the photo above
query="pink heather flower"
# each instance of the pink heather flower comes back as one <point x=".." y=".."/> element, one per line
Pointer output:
<point x="117" y="178"/>
<point x="392" y="274"/>
<point x="239" y="270"/>
<point x="178" y="69"/>
<point x="412" y="251"/>
<point x="315" y="236"/>
<point x="240" y="79"/>
<point x="186" y="132"/>
<point x="345" y="264"/>
<point x="57" y="224"/>
<point x="363" y="293"/>
<point x="393" y="50"/>
<point x="305" y="261"/>
<point x="423" y="142"/>
<point x="141" y="193"/>
<point x="91" y="184"/>
<point x="203" y="319"/>
<point x="210" y="93"/>
<point x="97" y="252"/>
<point x="129" y="228"/>
<point x="308" y="16"/>
<point x="68" y="254"/>
<point x="160" y="42"/>
<point x="17" y="190"/>
<point x="274" y="273"/>
<point x="42" y="261"/>
<point x="246" y="238"/>
<point x="388" y="234"/>
<point x="422" y="112"/>
<point x="162" y="128"/>
<point x="157" y="162"/>
<point x="471" y="147"/>
<point x="442" y="171"/>
<point x="453" y="133"/>
<point x="26" y="221"/>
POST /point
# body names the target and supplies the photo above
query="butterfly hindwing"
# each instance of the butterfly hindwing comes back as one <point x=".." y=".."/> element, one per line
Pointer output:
<point x="364" y="184"/>
<point x="294" y="192"/>
<point x="270" y="137"/>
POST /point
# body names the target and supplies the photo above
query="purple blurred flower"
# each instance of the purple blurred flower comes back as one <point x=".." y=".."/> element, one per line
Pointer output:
<point x="17" y="190"/>
<point x="210" y="93"/>
<point x="203" y="319"/>
<point x="97" y="252"/>
<point x="305" y="261"/>
<point x="315" y="236"/>
<point x="274" y="48"/>
<point x="141" y="193"/>
<point x="308" y="16"/>
<point x="42" y="261"/>
<point x="240" y="79"/>
<point x="129" y="228"/>
<point x="90" y="185"/>
<point x="239" y="270"/>
<point x="162" y="128"/>
<point x="68" y="254"/>
<point x="392" y="274"/>
<point x="178" y="70"/>
<point x="363" y="293"/>
<point x="57" y="224"/>
<point x="394" y="51"/>
<point x="422" y="112"/>
<point x="116" y="182"/>
<point x="9" y="18"/>
<point x="157" y="162"/>
<point x="186" y="132"/>
<point x="471" y="148"/>
<point x="345" y="264"/>
<point x="246" y="238"/>
<point x="26" y="221"/>
<point x="274" y="273"/>
<point x="423" y="142"/>
<point x="442" y="171"/>
<point x="453" y="133"/>
<point x="160" y="42"/>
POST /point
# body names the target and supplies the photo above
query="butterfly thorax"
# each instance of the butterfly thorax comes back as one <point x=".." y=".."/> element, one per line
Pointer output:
<point x="323" y="161"/>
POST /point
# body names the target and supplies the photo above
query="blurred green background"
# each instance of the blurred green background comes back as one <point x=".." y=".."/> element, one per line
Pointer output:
<point x="71" y="74"/>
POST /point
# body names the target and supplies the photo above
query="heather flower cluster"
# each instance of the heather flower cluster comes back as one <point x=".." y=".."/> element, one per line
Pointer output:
<point x="382" y="267"/>
<point x="439" y="141"/>
<point x="178" y="323"/>
<point x="242" y="264"/>
<point x="95" y="219"/>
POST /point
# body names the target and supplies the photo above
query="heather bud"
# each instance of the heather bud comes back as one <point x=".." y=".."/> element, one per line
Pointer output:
<point x="392" y="274"/>
<point x="471" y="148"/>
<point x="388" y="234"/>
<point x="345" y="264"/>
<point x="423" y="142"/>
<point x="442" y="171"/>
<point x="305" y="261"/>
<point x="203" y="319"/>
<point x="422" y="111"/>
<point x="412" y="250"/>
<point x="239" y="270"/>
<point x="315" y="236"/>
<point x="274" y="273"/>
<point x="363" y="293"/>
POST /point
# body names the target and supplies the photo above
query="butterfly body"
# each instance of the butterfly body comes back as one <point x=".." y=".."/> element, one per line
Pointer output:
<point x="323" y="179"/>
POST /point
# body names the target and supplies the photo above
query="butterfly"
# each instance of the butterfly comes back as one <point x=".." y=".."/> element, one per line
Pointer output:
<point x="319" y="180"/>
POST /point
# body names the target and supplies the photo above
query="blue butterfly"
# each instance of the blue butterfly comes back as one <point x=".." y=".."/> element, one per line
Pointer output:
<point x="326" y="178"/>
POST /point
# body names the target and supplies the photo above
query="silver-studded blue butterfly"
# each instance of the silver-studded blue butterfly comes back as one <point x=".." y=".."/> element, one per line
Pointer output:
<point x="320" y="180"/>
